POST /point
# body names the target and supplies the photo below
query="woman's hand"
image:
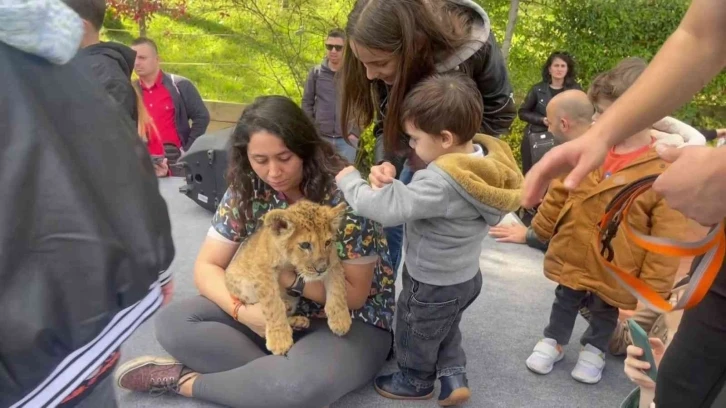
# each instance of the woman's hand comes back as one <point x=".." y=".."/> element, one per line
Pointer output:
<point x="162" y="168"/>
<point x="287" y="278"/>
<point x="514" y="233"/>
<point x="382" y="174"/>
<point x="344" y="173"/>
<point x="634" y="366"/>
<point x="252" y="317"/>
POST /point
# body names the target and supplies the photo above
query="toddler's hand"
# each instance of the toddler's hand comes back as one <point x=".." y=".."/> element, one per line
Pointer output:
<point x="381" y="175"/>
<point x="514" y="233"/>
<point x="344" y="173"/>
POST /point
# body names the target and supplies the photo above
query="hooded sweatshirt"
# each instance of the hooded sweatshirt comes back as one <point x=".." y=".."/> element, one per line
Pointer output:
<point x="448" y="208"/>
<point x="482" y="59"/>
<point x="110" y="64"/>
<point x="480" y="30"/>
<point x="46" y="28"/>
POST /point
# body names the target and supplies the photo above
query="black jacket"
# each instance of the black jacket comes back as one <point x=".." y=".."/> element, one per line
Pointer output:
<point x="534" y="108"/>
<point x="188" y="105"/>
<point x="111" y="65"/>
<point x="84" y="231"/>
<point x="489" y="71"/>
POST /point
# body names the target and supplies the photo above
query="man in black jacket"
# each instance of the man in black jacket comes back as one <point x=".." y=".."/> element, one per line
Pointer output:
<point x="85" y="236"/>
<point x="109" y="63"/>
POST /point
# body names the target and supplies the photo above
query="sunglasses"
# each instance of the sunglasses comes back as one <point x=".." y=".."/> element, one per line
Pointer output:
<point x="330" y="47"/>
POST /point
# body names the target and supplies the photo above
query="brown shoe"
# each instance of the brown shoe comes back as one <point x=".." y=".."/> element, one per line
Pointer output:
<point x="156" y="375"/>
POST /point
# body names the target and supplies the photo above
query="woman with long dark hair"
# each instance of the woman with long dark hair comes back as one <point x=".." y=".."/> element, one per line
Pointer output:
<point x="277" y="158"/>
<point x="394" y="44"/>
<point x="558" y="75"/>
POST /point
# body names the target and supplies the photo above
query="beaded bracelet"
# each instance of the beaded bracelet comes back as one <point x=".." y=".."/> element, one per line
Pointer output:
<point x="237" y="305"/>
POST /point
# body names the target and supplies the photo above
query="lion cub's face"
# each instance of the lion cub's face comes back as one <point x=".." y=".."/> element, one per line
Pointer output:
<point x="307" y="232"/>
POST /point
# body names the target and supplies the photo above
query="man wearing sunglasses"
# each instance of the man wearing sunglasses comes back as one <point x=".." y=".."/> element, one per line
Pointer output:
<point x="320" y="100"/>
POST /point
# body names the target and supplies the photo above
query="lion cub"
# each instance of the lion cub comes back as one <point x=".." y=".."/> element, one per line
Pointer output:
<point x="301" y="237"/>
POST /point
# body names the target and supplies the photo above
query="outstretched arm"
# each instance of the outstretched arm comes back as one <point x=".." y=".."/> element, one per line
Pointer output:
<point x="396" y="203"/>
<point x="691" y="57"/>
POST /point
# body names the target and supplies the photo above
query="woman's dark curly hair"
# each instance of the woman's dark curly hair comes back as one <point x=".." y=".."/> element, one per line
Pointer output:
<point x="282" y="117"/>
<point x="571" y="68"/>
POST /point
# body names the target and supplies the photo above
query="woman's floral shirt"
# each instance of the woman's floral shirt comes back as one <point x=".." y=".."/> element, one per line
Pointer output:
<point x="358" y="237"/>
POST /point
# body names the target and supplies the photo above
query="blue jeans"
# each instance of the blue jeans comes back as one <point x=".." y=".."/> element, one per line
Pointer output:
<point x="394" y="235"/>
<point x="428" y="338"/>
<point x="343" y="148"/>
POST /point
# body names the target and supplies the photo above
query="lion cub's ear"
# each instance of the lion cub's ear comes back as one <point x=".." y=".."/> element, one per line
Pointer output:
<point x="279" y="222"/>
<point x="336" y="215"/>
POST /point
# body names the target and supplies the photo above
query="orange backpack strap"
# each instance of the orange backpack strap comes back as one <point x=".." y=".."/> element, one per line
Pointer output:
<point x="713" y="247"/>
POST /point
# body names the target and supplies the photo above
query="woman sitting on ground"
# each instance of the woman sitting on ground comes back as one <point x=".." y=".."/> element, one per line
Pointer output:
<point x="277" y="159"/>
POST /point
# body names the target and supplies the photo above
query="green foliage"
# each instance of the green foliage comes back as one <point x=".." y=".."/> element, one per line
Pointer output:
<point x="235" y="50"/>
<point x="366" y="151"/>
<point x="600" y="33"/>
<point x="514" y="139"/>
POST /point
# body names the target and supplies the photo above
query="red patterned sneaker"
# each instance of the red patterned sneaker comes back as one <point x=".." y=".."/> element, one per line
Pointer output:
<point x="156" y="375"/>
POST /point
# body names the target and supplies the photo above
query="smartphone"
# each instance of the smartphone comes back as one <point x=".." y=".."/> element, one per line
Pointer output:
<point x="640" y="339"/>
<point x="157" y="160"/>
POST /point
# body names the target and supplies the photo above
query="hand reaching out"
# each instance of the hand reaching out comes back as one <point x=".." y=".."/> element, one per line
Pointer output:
<point x="514" y="233"/>
<point x="577" y="157"/>
<point x="344" y="173"/>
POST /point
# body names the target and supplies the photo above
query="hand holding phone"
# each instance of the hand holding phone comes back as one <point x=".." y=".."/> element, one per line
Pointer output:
<point x="639" y="339"/>
<point x="157" y="160"/>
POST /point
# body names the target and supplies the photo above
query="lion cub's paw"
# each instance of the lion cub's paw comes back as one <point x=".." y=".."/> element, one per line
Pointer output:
<point x="298" y="322"/>
<point x="279" y="340"/>
<point x="339" y="322"/>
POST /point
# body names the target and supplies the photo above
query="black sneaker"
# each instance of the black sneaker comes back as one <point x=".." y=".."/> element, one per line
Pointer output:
<point x="395" y="386"/>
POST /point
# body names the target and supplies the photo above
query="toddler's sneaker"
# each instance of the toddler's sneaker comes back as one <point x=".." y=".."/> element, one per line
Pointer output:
<point x="546" y="353"/>
<point x="454" y="390"/>
<point x="589" y="365"/>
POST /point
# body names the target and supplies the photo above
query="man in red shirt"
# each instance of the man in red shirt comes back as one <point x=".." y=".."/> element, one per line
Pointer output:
<point x="172" y="101"/>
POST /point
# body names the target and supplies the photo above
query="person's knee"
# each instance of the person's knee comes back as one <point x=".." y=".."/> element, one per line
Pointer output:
<point x="170" y="324"/>
<point x="307" y="392"/>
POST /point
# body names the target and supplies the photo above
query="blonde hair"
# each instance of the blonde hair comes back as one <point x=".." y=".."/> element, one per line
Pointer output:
<point x="145" y="124"/>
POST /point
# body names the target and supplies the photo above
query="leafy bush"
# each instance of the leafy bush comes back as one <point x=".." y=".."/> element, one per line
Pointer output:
<point x="600" y="33"/>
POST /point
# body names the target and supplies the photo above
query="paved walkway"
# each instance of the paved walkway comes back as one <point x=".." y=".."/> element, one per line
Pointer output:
<point x="499" y="330"/>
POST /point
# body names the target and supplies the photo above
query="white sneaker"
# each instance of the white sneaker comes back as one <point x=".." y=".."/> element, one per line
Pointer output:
<point x="546" y="353"/>
<point x="589" y="365"/>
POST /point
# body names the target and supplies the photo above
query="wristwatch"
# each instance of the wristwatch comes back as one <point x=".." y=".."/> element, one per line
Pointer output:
<point x="296" y="289"/>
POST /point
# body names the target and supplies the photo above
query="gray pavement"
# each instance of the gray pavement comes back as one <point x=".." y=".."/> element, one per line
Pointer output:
<point x="499" y="331"/>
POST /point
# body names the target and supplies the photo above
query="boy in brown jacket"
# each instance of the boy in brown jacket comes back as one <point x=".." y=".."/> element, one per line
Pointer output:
<point x="569" y="223"/>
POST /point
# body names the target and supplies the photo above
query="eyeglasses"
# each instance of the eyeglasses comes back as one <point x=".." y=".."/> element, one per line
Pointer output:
<point x="330" y="47"/>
